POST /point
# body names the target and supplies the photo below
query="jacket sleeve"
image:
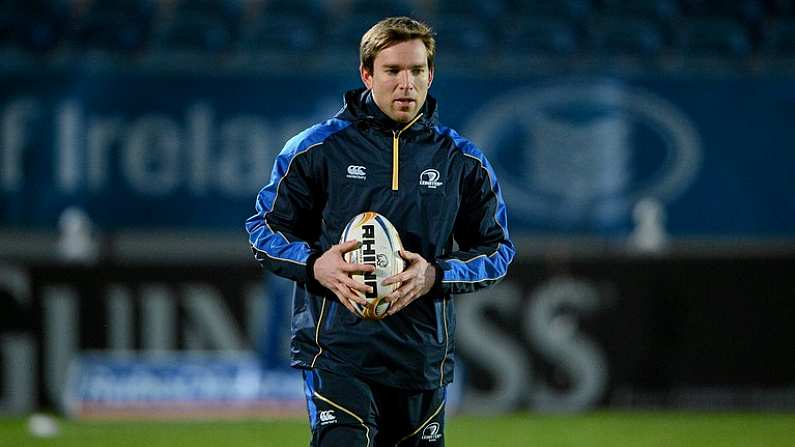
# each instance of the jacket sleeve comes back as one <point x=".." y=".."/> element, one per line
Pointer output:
<point x="287" y="217"/>
<point x="481" y="231"/>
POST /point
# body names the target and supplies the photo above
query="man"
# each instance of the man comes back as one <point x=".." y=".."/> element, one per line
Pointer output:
<point x="381" y="383"/>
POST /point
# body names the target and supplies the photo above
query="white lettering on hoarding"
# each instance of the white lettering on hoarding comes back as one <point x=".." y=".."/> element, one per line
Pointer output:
<point x="68" y="154"/>
<point x="152" y="154"/>
<point x="151" y="159"/>
<point x="15" y="122"/>
<point x="551" y="332"/>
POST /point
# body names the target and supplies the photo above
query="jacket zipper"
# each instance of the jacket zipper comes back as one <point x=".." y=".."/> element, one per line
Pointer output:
<point x="396" y="152"/>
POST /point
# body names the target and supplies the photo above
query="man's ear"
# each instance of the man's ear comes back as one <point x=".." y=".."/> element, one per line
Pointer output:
<point x="367" y="77"/>
<point x="430" y="77"/>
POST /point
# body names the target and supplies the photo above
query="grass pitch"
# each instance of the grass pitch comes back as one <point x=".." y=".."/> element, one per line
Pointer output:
<point x="613" y="429"/>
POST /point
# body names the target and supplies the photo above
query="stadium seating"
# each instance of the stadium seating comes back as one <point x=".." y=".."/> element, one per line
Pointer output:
<point x="721" y="37"/>
<point x="193" y="33"/>
<point x="311" y="9"/>
<point x="117" y="25"/>
<point x="781" y="8"/>
<point x="625" y="35"/>
<point x="474" y="8"/>
<point x="659" y="10"/>
<point x="379" y="8"/>
<point x="138" y="9"/>
<point x="36" y="34"/>
<point x="6" y="29"/>
<point x="640" y="28"/>
<point x="280" y="32"/>
<point x="463" y="34"/>
<point x="569" y="9"/>
<point x="539" y="35"/>
<point x="110" y="32"/>
<point x="344" y="32"/>
<point x="36" y="25"/>
<point x="748" y="11"/>
<point x="229" y="10"/>
<point x="36" y="7"/>
<point x="779" y="38"/>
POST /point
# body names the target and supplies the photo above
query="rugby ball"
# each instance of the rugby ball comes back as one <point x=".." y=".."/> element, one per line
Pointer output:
<point x="380" y="247"/>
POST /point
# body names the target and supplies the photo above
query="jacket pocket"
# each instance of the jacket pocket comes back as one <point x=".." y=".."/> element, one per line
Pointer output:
<point x="329" y="319"/>
<point x="440" y="320"/>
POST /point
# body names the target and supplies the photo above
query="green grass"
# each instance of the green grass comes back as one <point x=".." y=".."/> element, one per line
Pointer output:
<point x="616" y="429"/>
<point x="613" y="429"/>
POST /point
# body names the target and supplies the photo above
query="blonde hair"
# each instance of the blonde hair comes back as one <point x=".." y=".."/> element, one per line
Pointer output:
<point x="391" y="31"/>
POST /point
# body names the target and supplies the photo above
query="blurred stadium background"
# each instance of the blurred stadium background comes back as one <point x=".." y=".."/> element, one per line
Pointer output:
<point x="647" y="154"/>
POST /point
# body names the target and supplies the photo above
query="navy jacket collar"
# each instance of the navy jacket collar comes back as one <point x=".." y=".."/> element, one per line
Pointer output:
<point x="361" y="107"/>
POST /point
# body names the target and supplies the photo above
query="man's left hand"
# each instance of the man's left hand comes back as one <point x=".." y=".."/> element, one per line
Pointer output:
<point x="415" y="281"/>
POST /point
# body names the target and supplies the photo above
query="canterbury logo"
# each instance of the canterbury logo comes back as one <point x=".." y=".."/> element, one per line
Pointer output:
<point x="358" y="172"/>
<point x="327" y="417"/>
<point x="430" y="178"/>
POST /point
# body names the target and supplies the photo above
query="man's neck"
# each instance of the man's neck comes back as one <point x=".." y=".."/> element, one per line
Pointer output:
<point x="375" y="110"/>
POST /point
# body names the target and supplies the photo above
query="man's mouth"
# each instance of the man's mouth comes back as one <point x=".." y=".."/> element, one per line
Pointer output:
<point x="404" y="101"/>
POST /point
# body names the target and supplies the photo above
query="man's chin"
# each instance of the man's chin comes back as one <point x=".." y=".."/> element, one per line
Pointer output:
<point x="403" y="116"/>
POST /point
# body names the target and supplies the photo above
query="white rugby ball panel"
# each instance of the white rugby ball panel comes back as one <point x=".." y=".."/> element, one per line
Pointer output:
<point x="380" y="247"/>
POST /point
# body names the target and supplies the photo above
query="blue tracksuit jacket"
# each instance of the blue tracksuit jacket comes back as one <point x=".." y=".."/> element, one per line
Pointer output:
<point x="438" y="190"/>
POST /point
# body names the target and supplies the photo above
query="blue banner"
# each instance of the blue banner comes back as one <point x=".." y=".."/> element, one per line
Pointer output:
<point x="180" y="385"/>
<point x="711" y="158"/>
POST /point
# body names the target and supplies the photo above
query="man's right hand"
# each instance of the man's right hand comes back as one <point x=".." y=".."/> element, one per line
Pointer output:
<point x="333" y="273"/>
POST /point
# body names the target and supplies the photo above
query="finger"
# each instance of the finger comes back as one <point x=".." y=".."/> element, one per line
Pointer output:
<point x="347" y="246"/>
<point x="398" y="305"/>
<point x="355" y="285"/>
<point x="355" y="289"/>
<point x="348" y="267"/>
<point x="393" y="309"/>
<point x="351" y="295"/>
<point x="397" y="278"/>
<point x="358" y="297"/>
<point x="398" y="294"/>
<point x="393" y="297"/>
<point x="347" y="304"/>
<point x="403" y="296"/>
<point x="409" y="255"/>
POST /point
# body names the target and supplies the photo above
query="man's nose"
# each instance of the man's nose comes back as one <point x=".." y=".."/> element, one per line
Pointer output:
<point x="405" y="81"/>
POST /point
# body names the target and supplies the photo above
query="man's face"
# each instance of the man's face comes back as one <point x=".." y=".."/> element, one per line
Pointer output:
<point x="400" y="79"/>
